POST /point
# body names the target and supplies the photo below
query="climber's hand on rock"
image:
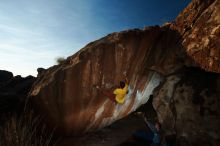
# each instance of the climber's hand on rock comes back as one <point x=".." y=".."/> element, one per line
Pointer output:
<point x="126" y="80"/>
<point x="96" y="87"/>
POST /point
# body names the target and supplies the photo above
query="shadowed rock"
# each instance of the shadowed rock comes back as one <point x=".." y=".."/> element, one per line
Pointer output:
<point x="187" y="105"/>
<point x="13" y="91"/>
<point x="5" y="76"/>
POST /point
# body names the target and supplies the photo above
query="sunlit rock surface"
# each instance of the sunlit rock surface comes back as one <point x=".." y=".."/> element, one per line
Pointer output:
<point x="199" y="26"/>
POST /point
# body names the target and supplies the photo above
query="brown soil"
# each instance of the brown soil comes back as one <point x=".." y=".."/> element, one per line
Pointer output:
<point x="112" y="135"/>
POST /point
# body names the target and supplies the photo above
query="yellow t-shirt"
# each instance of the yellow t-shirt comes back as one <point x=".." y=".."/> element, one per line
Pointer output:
<point x="120" y="94"/>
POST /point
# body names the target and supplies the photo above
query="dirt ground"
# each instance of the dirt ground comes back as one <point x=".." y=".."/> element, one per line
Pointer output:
<point x="112" y="135"/>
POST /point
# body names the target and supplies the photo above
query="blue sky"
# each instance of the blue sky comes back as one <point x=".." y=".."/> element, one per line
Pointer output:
<point x="35" y="32"/>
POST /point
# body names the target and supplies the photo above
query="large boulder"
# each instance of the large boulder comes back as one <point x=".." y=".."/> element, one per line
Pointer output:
<point x="67" y="95"/>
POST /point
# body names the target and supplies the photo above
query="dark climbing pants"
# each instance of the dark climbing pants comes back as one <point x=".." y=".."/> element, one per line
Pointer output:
<point x="141" y="134"/>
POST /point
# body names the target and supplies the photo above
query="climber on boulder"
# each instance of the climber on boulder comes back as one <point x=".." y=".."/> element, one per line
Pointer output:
<point x="119" y="94"/>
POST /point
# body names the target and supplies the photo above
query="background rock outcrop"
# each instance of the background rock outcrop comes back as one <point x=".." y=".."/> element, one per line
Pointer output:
<point x="5" y="76"/>
<point x="13" y="91"/>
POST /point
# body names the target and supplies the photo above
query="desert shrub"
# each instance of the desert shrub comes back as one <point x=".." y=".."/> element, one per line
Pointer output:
<point x="25" y="130"/>
<point x="60" y="60"/>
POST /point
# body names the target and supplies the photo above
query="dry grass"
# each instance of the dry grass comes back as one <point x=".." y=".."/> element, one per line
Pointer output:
<point x="25" y="130"/>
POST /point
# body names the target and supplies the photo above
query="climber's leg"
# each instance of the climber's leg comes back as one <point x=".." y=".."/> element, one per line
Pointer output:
<point x="110" y="95"/>
<point x="148" y="136"/>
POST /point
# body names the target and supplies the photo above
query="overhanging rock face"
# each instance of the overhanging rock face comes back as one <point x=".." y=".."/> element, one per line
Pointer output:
<point x="67" y="93"/>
